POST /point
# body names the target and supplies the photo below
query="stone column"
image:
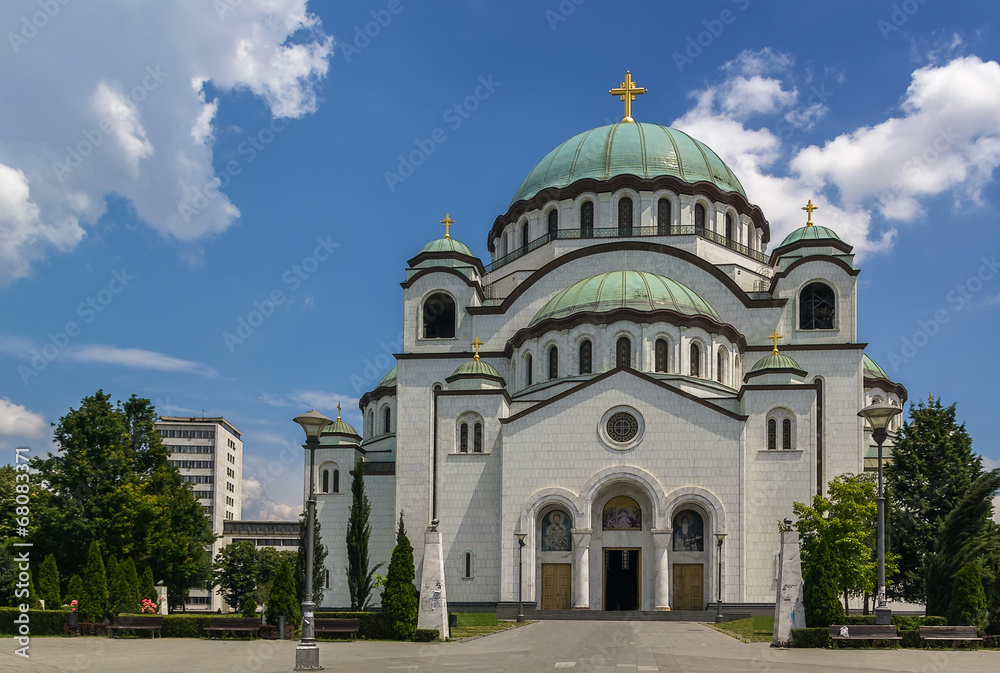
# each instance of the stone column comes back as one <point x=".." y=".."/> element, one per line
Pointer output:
<point x="661" y="585"/>
<point x="433" y="609"/>
<point x="581" y="568"/>
<point x="789" y="612"/>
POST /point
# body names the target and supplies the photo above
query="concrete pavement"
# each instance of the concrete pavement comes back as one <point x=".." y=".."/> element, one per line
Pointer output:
<point x="574" y="647"/>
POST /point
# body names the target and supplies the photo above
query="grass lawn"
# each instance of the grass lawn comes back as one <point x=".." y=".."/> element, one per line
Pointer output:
<point x="478" y="624"/>
<point x="753" y="630"/>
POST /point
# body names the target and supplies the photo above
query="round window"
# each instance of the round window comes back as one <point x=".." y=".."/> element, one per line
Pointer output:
<point x="622" y="427"/>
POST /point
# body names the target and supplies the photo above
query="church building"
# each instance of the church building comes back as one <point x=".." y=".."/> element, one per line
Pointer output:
<point x="630" y="382"/>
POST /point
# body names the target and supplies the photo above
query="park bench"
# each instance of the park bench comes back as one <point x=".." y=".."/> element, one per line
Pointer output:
<point x="234" y="625"/>
<point x="131" y="623"/>
<point x="952" y="633"/>
<point x="338" y="626"/>
<point x="864" y="632"/>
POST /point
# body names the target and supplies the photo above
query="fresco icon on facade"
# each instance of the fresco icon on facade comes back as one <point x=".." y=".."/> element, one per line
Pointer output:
<point x="556" y="531"/>
<point x="688" y="531"/>
<point x="622" y="513"/>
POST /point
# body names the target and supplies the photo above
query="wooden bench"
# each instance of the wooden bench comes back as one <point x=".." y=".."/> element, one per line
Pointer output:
<point x="864" y="632"/>
<point x="130" y="623"/>
<point x="338" y="626"/>
<point x="249" y="625"/>
<point x="952" y="633"/>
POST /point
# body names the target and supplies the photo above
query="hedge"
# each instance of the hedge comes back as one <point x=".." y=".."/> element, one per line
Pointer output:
<point x="991" y="641"/>
<point x="910" y="638"/>
<point x="185" y="626"/>
<point x="41" y="622"/>
<point x="425" y="635"/>
<point x="372" y="624"/>
<point x="814" y="637"/>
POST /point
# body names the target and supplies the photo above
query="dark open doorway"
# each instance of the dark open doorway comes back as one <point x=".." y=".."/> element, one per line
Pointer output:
<point x="621" y="579"/>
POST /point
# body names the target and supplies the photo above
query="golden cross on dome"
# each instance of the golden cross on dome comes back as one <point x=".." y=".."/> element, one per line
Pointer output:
<point x="809" y="208"/>
<point x="447" y="222"/>
<point x="338" y="411"/>
<point x="627" y="92"/>
<point x="775" y="337"/>
<point x="476" y="343"/>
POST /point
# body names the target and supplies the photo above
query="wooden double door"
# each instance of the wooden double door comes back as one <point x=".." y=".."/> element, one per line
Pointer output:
<point x="557" y="583"/>
<point x="689" y="586"/>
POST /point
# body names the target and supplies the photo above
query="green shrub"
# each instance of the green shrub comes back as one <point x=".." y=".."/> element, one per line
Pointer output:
<point x="281" y="600"/>
<point x="41" y="622"/>
<point x="859" y="620"/>
<point x="910" y="638"/>
<point x="933" y="620"/>
<point x="399" y="598"/>
<point x="184" y="626"/>
<point x="75" y="590"/>
<point x="991" y="641"/>
<point x="968" y="600"/>
<point x="249" y="607"/>
<point x="372" y="623"/>
<point x="48" y="583"/>
<point x="147" y="588"/>
<point x="811" y="637"/>
<point x="94" y="604"/>
<point x="425" y="635"/>
<point x="820" y="594"/>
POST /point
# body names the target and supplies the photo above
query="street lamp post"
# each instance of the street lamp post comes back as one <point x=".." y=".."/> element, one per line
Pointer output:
<point x="879" y="416"/>
<point x="520" y="575"/>
<point x="307" y="651"/>
<point x="718" y="603"/>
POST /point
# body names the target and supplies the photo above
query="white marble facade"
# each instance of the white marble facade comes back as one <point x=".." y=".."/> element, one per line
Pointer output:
<point x="701" y="438"/>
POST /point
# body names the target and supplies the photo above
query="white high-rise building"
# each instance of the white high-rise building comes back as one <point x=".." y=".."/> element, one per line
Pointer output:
<point x="209" y="454"/>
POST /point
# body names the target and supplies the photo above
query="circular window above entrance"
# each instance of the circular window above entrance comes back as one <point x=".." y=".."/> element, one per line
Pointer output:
<point x="621" y="428"/>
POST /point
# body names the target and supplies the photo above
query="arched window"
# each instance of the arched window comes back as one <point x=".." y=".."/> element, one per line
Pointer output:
<point x="695" y="353"/>
<point x="503" y="246"/>
<point x="786" y="434"/>
<point x="387" y="421"/>
<point x="699" y="216"/>
<point x="463" y="438"/>
<point x="729" y="226"/>
<point x="553" y="363"/>
<point x="623" y="352"/>
<point x="439" y="317"/>
<point x="524" y="235"/>
<point x="625" y="216"/>
<point x="371" y="422"/>
<point x="336" y="481"/>
<point x="587" y="219"/>
<point x="772" y="434"/>
<point x="327" y="579"/>
<point x="720" y="366"/>
<point x="468" y="565"/>
<point x="527" y="370"/>
<point x="817" y="307"/>
<point x="477" y="438"/>
<point x="326" y="481"/>
<point x="660" y="356"/>
<point x="586" y="357"/>
<point x="553" y="223"/>
<point x="663" y="217"/>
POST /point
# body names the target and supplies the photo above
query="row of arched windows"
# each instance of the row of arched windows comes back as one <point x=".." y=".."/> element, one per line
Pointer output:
<point x="325" y="481"/>
<point x="772" y="434"/>
<point x="386" y="426"/>
<point x="477" y="438"/>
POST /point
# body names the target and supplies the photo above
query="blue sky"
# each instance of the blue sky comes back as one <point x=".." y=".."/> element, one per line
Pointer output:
<point x="165" y="171"/>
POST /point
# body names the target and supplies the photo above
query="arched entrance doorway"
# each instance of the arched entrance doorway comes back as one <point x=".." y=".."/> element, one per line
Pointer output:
<point x="621" y="549"/>
<point x="689" y="558"/>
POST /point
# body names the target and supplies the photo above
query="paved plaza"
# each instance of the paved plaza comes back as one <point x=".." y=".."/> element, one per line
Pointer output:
<point x="574" y="647"/>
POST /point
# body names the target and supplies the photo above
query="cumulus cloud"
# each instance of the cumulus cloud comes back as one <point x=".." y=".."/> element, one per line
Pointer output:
<point x="124" y="111"/>
<point x="17" y="421"/>
<point x="137" y="358"/>
<point x="945" y="138"/>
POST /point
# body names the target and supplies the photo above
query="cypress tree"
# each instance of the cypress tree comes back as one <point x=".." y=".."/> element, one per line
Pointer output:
<point x="132" y="577"/>
<point x="249" y="607"/>
<point x="319" y="561"/>
<point x="360" y="579"/>
<point x="820" y="594"/>
<point x="968" y="599"/>
<point x="147" y="586"/>
<point x="399" y="599"/>
<point x="118" y="598"/>
<point x="48" y="584"/>
<point x="111" y="571"/>
<point x="282" y="599"/>
<point x="94" y="604"/>
<point x="74" y="591"/>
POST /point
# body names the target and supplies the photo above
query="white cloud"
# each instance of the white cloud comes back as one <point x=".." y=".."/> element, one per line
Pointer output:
<point x="124" y="111"/>
<point x="946" y="139"/>
<point x="137" y="359"/>
<point x="325" y="401"/>
<point x="18" y="421"/>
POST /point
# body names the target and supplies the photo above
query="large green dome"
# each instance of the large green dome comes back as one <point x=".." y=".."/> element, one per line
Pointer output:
<point x="643" y="150"/>
<point x="639" y="290"/>
<point x="447" y="245"/>
<point x="810" y="233"/>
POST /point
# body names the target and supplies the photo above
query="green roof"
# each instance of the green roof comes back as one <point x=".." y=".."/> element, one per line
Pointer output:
<point x="873" y="371"/>
<point x="447" y="245"/>
<point x="339" y="427"/>
<point x="775" y="361"/>
<point x="812" y="233"/>
<point x="476" y="368"/>
<point x="643" y="150"/>
<point x="639" y="290"/>
<point x="388" y="380"/>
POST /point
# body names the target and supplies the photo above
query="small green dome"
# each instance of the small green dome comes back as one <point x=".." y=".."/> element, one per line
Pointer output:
<point x="639" y="290"/>
<point x="873" y="371"/>
<point x="813" y="233"/>
<point x="643" y="150"/>
<point x="447" y="245"/>
<point x="476" y="368"/>
<point x="388" y="380"/>
<point x="339" y="427"/>
<point x="775" y="361"/>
